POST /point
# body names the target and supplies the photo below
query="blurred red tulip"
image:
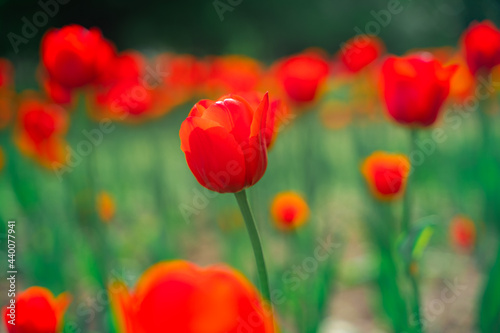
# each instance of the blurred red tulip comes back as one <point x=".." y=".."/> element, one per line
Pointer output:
<point x="481" y="45"/>
<point x="289" y="210"/>
<point x="40" y="129"/>
<point x="225" y="143"/>
<point x="360" y="51"/>
<point x="233" y="74"/>
<point x="56" y="92"/>
<point x="415" y="87"/>
<point x="7" y="92"/>
<point x="125" y="92"/>
<point x="178" y="296"/>
<point x="36" y="311"/>
<point x="302" y="76"/>
<point x="463" y="233"/>
<point x="386" y="174"/>
<point x="74" y="56"/>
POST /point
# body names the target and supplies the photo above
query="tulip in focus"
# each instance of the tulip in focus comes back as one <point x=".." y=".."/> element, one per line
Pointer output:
<point x="360" y="51"/>
<point x="36" y="311"/>
<point x="415" y="87"/>
<point x="302" y="76"/>
<point x="289" y="210"/>
<point x="386" y="174"/>
<point x="179" y="296"/>
<point x="225" y="143"/>
<point x="74" y="56"/>
<point x="481" y="46"/>
<point x="463" y="233"/>
<point x="40" y="129"/>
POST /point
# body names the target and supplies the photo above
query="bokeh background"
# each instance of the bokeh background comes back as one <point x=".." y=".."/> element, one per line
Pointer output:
<point x="144" y="170"/>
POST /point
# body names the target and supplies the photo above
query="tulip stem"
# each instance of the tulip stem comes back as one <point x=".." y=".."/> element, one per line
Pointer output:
<point x="242" y="199"/>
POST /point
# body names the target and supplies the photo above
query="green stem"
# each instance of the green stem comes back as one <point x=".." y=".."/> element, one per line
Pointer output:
<point x="405" y="228"/>
<point x="242" y="199"/>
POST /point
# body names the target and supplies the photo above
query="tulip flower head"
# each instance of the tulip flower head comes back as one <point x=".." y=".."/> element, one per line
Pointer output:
<point x="225" y="143"/>
<point x="36" y="311"/>
<point x="360" y="51"/>
<point x="7" y="93"/>
<point x="415" y="87"/>
<point x="302" y="76"/>
<point x="179" y="296"/>
<point x="40" y="129"/>
<point x="289" y="210"/>
<point x="481" y="46"/>
<point x="386" y="174"/>
<point x="463" y="233"/>
<point x="105" y="206"/>
<point x="233" y="74"/>
<point x="74" y="56"/>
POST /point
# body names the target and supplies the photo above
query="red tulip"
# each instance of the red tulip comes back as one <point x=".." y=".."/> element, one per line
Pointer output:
<point x="359" y="52"/>
<point x="179" y="297"/>
<point x="233" y="74"/>
<point x="415" y="87"/>
<point x="277" y="116"/>
<point x="463" y="233"/>
<point x="6" y="74"/>
<point x="289" y="210"/>
<point x="40" y="129"/>
<point x="225" y="143"/>
<point x="481" y="44"/>
<point x="74" y="56"/>
<point x="36" y="311"/>
<point x="302" y="76"/>
<point x="386" y="174"/>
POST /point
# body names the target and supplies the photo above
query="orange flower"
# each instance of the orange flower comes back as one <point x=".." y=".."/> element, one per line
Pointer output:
<point x="40" y="129"/>
<point x="302" y="76"/>
<point x="463" y="233"/>
<point x="233" y="74"/>
<point x="360" y="51"/>
<point x="289" y="210"/>
<point x="386" y="174"/>
<point x="225" y="143"/>
<point x="36" y="311"/>
<point x="481" y="45"/>
<point x="462" y="83"/>
<point x="105" y="206"/>
<point x="179" y="296"/>
<point x="74" y="56"/>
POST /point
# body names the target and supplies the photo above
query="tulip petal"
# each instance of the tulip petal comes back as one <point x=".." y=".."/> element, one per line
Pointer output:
<point x="256" y="152"/>
<point x="213" y="155"/>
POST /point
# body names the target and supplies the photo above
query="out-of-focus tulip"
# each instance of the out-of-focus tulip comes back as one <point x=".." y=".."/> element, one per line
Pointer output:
<point x="277" y="116"/>
<point x="105" y="206"/>
<point x="225" y="143"/>
<point x="463" y="233"/>
<point x="40" y="129"/>
<point x="125" y="91"/>
<point x="36" y="311"/>
<point x="462" y="83"/>
<point x="415" y="87"/>
<point x="289" y="210"/>
<point x="74" y="56"/>
<point x="7" y="93"/>
<point x="481" y="45"/>
<point x="56" y="92"/>
<point x="360" y="51"/>
<point x="179" y="296"/>
<point x="302" y="76"/>
<point x="233" y="74"/>
<point x="386" y="174"/>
